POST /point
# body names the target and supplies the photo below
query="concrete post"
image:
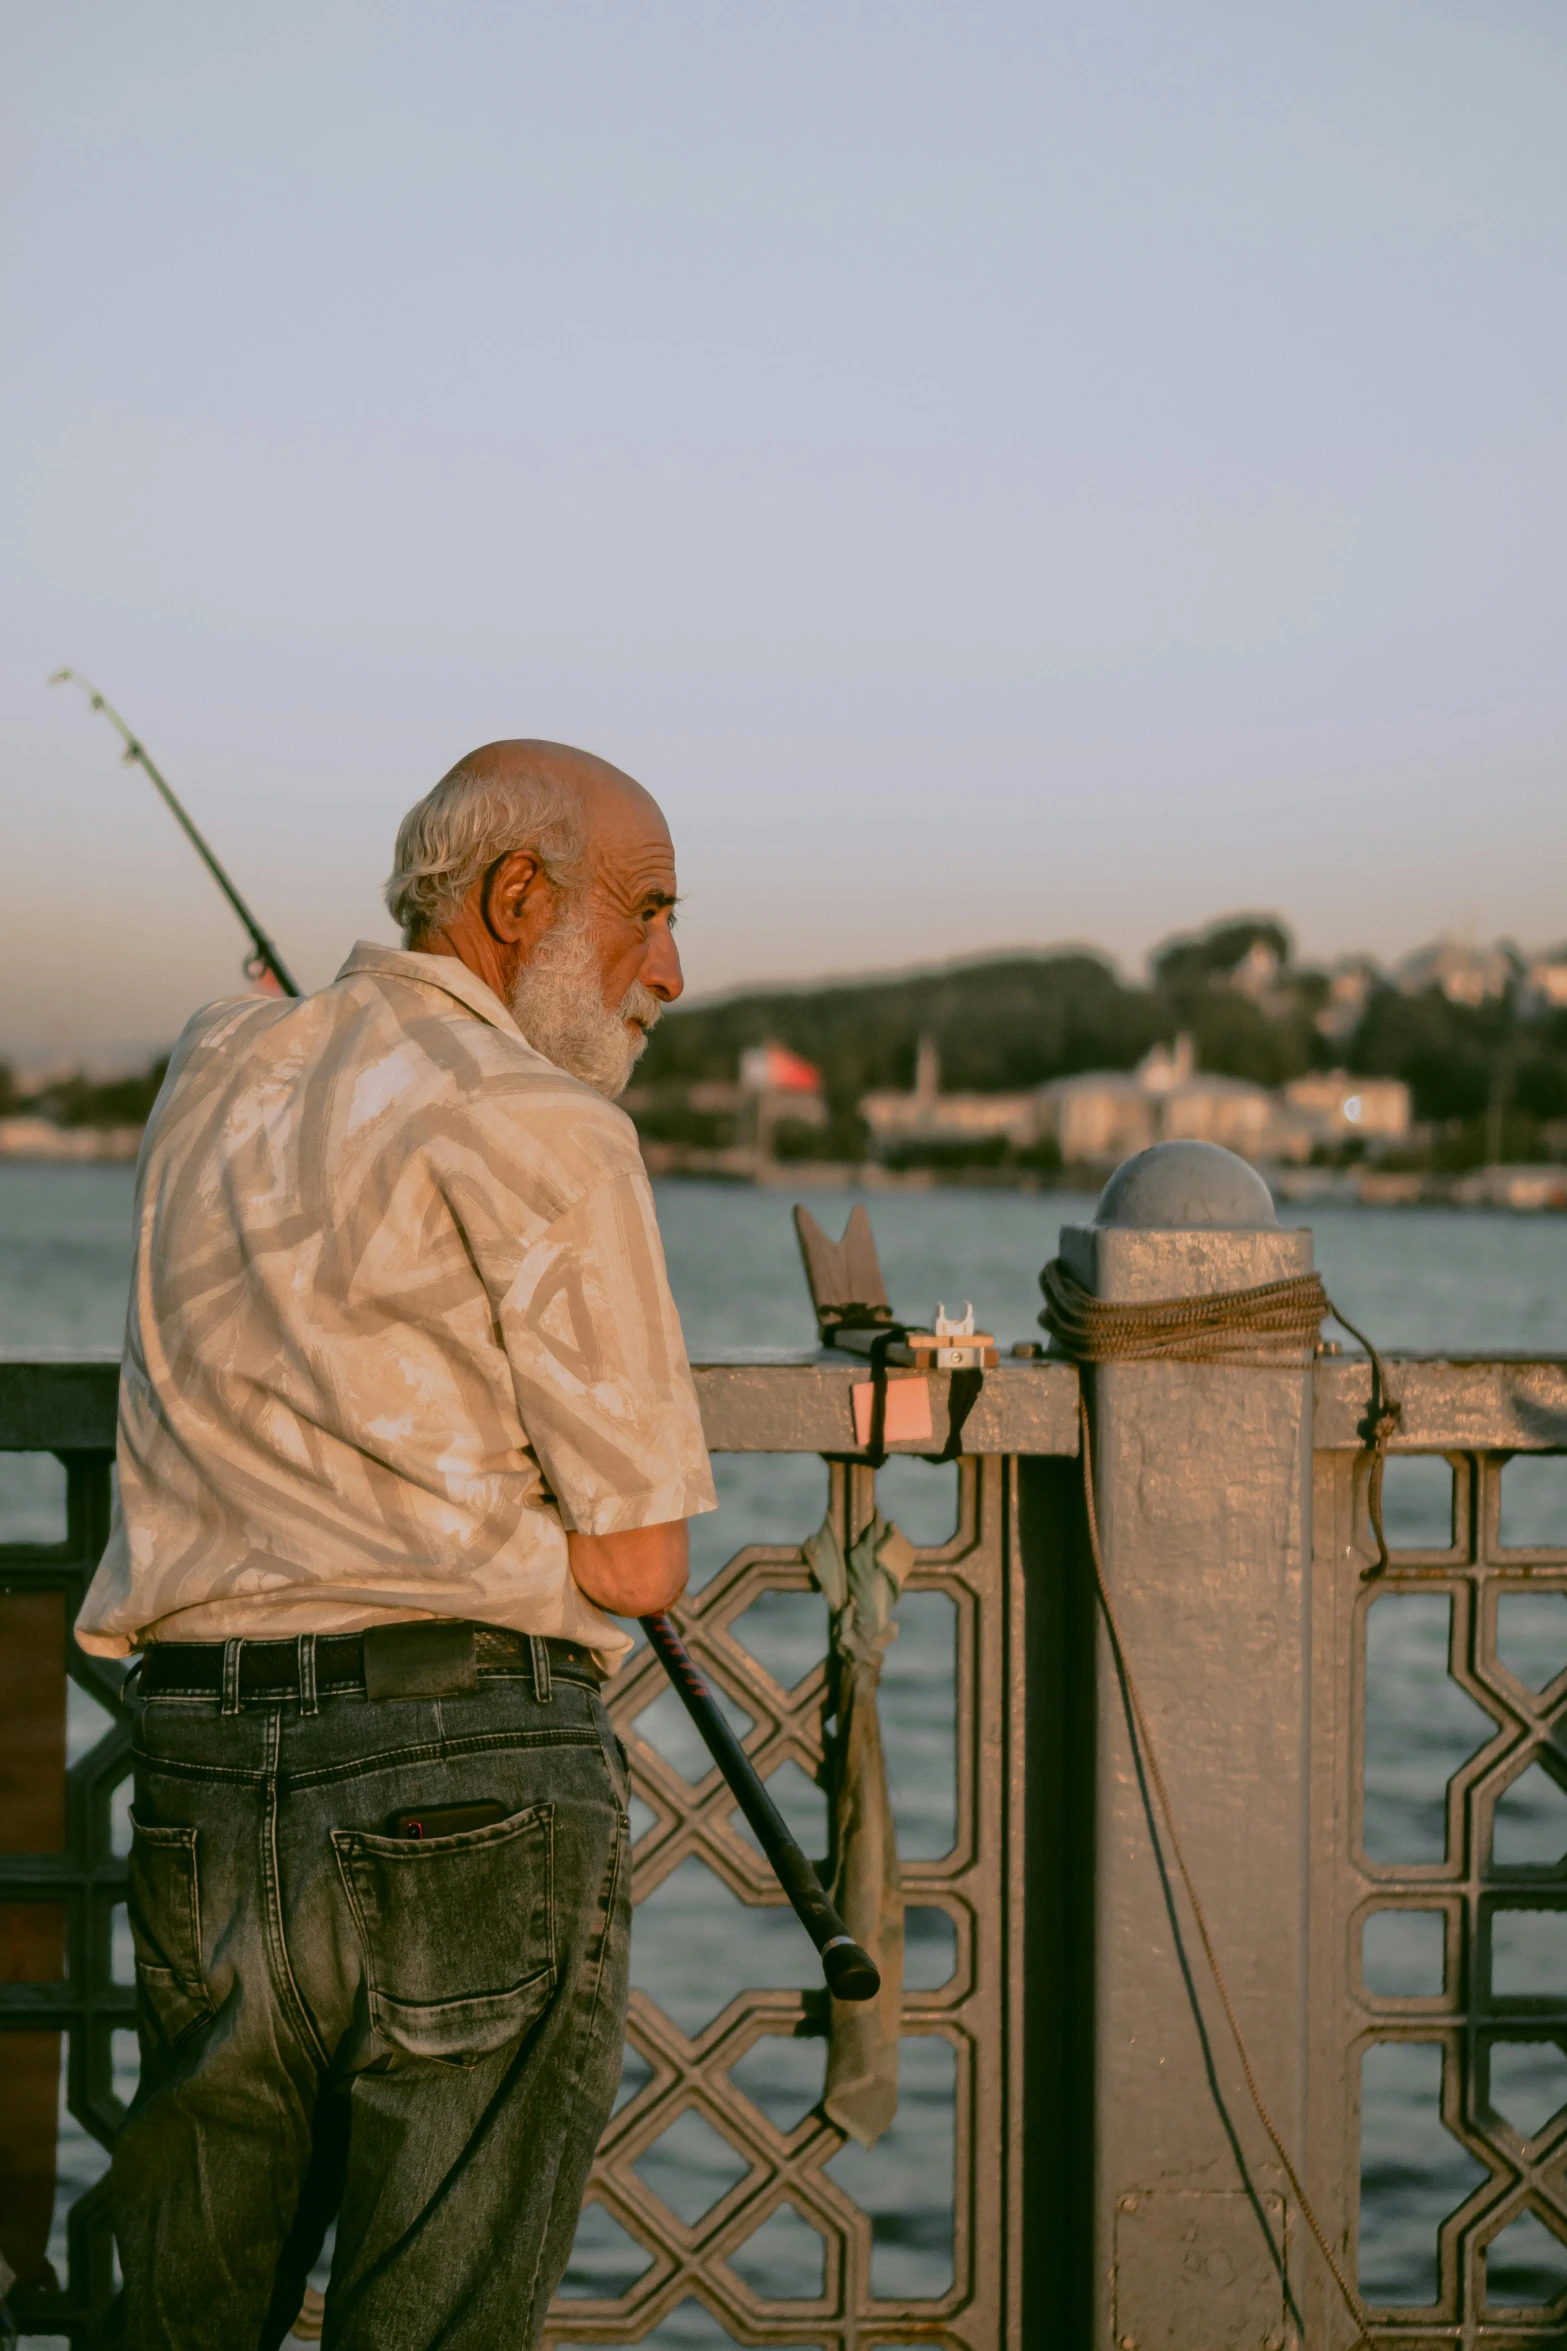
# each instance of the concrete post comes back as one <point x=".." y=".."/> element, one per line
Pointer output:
<point x="1203" y="1483"/>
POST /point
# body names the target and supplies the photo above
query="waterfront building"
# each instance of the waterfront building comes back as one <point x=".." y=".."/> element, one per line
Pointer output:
<point x="927" y="1115"/>
<point x="1232" y="1112"/>
<point x="1545" y="980"/>
<point x="25" y="1137"/>
<point x="1350" y="982"/>
<point x="1100" y="1116"/>
<point x="1343" y="1106"/>
<point x="1105" y="1114"/>
<point x="1465" y="975"/>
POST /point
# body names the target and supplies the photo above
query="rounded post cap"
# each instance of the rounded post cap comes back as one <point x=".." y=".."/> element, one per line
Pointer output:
<point x="1175" y="1185"/>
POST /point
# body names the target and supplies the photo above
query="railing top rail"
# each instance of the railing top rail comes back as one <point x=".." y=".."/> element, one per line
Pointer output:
<point x="753" y="1400"/>
<point x="784" y="1403"/>
<point x="1449" y="1403"/>
<point x="783" y="1400"/>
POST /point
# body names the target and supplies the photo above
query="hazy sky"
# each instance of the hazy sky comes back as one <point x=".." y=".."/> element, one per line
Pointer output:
<point x="999" y="473"/>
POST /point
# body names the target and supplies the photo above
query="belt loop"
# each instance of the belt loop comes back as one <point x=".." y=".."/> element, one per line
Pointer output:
<point x="308" y="1702"/>
<point x="231" y="1650"/>
<point x="539" y="1649"/>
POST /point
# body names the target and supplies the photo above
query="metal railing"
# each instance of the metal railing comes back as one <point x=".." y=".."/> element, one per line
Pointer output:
<point x="1017" y="2011"/>
<point x="72" y="1877"/>
<point x="1445" y="1988"/>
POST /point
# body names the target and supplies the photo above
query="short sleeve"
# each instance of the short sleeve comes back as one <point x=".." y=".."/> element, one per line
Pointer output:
<point x="603" y="1386"/>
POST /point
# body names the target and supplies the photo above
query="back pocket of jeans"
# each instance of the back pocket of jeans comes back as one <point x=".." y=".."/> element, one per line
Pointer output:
<point x="458" y="1932"/>
<point x="164" y="1907"/>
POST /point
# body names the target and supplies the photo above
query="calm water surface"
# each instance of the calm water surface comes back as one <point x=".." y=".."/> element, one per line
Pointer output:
<point x="1420" y="1279"/>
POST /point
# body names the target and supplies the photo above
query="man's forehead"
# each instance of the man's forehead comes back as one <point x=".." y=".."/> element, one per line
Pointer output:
<point x="629" y="838"/>
<point x="639" y="862"/>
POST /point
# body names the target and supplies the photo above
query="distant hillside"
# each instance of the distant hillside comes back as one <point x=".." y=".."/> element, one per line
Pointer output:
<point x="1478" y="1036"/>
<point x="998" y="1024"/>
<point x="1487" y="1070"/>
<point x="79" y="1101"/>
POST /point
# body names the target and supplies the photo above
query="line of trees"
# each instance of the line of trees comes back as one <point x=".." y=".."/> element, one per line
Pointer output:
<point x="79" y="1101"/>
<point x="1486" y="1079"/>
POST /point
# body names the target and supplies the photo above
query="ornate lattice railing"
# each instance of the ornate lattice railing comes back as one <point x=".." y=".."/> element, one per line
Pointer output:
<point x="723" y="2205"/>
<point x="1440" y="1861"/>
<point x="64" y="1976"/>
<point x="969" y="1887"/>
<point x="743" y="2256"/>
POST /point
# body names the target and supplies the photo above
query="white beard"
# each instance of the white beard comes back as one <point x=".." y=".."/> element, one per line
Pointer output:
<point x="557" y="1001"/>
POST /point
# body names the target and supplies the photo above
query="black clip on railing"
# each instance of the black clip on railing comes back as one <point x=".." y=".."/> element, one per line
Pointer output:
<point x="853" y="1312"/>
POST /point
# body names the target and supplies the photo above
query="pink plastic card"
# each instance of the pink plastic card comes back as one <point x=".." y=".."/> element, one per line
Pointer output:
<point x="908" y="1411"/>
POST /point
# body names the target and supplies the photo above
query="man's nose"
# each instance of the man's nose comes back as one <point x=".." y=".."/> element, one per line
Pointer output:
<point x="661" y="967"/>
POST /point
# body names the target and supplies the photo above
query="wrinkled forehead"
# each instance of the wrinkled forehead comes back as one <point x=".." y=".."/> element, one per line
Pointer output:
<point x="629" y="844"/>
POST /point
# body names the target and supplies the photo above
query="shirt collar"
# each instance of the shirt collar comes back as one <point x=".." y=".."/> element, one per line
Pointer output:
<point x="445" y="972"/>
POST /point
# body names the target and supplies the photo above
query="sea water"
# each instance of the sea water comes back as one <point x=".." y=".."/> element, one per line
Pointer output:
<point x="1417" y="1279"/>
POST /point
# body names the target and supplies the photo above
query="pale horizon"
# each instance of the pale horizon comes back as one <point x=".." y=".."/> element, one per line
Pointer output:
<point x="999" y="480"/>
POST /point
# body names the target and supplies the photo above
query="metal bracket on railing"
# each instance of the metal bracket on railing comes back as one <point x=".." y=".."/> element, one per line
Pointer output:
<point x="848" y="1289"/>
<point x="854" y="1315"/>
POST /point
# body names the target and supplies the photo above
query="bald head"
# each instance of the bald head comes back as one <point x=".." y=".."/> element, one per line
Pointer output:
<point x="520" y="764"/>
<point x="526" y="841"/>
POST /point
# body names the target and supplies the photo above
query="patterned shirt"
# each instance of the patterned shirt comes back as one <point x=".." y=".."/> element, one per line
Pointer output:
<point x="399" y="1319"/>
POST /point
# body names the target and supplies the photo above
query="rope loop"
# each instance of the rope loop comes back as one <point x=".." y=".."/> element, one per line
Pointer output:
<point x="1275" y="1323"/>
<point x="1228" y="1326"/>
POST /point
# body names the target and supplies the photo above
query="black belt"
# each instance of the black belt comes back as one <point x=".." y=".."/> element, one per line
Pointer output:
<point x="428" y="1660"/>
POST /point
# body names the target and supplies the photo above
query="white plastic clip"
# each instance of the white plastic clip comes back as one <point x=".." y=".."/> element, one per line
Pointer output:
<point x="955" y="1347"/>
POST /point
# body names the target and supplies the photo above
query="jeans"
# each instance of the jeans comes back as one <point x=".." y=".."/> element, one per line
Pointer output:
<point x="422" y="2038"/>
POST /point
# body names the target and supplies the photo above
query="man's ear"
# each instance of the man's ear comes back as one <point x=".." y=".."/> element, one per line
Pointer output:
<point x="516" y="891"/>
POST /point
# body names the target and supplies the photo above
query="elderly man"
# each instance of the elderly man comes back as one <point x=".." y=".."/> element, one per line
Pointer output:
<point x="405" y="1421"/>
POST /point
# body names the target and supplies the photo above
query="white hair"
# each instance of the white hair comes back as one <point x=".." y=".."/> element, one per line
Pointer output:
<point x="457" y="831"/>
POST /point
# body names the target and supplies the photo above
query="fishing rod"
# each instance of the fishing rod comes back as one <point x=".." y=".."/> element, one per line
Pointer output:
<point x="265" y="960"/>
<point x="850" y="1972"/>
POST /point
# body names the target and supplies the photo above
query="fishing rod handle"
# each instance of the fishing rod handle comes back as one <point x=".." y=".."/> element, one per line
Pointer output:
<point x="851" y="1973"/>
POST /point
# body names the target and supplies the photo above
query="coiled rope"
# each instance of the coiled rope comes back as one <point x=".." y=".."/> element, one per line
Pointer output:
<point x="1276" y="1321"/>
